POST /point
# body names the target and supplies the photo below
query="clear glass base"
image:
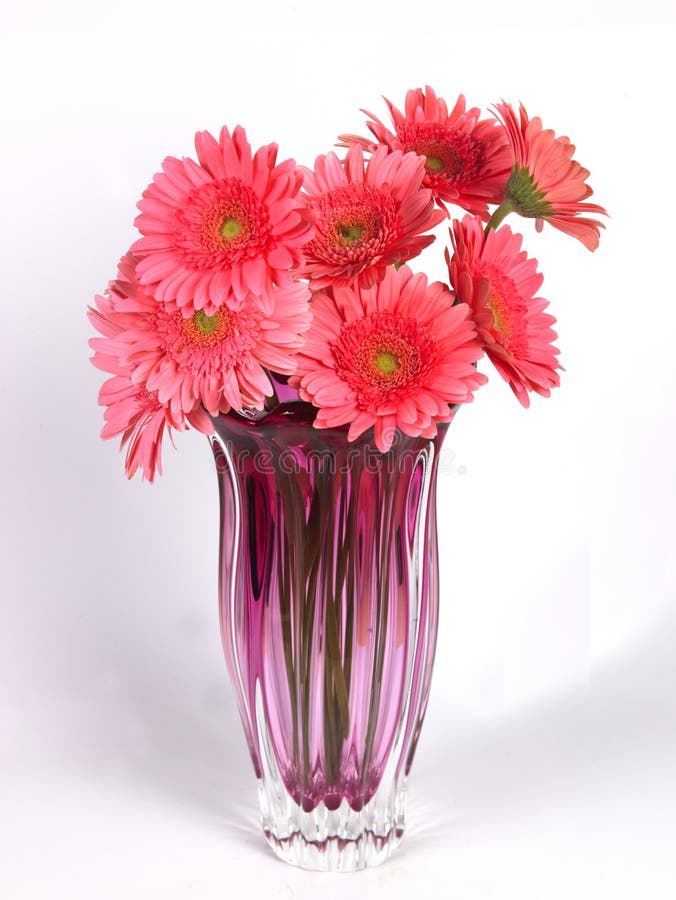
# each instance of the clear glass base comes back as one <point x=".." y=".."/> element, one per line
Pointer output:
<point x="339" y="840"/>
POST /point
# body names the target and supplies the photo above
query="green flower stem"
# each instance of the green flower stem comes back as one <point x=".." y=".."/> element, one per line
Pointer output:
<point x="505" y="208"/>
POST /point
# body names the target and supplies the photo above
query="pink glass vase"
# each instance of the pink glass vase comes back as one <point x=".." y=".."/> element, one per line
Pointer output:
<point x="328" y="606"/>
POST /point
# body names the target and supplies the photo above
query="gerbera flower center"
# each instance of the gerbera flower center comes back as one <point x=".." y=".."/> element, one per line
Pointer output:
<point x="500" y="312"/>
<point x="353" y="225"/>
<point x="205" y="330"/>
<point x="386" y="362"/>
<point x="352" y="219"/>
<point x="352" y="232"/>
<point x="204" y="345"/>
<point x="507" y="309"/>
<point x="221" y="223"/>
<point x="451" y="155"/>
<point x="387" y="358"/>
<point x="231" y="228"/>
<point x="383" y="357"/>
<point x="203" y="323"/>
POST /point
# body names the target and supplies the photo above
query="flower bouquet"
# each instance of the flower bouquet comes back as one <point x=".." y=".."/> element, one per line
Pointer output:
<point x="271" y="307"/>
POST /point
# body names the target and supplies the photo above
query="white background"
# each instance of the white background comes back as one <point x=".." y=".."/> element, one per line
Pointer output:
<point x="546" y="767"/>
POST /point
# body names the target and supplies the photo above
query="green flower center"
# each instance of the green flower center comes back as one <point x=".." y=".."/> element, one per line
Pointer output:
<point x="434" y="164"/>
<point x="205" y="324"/>
<point x="231" y="228"/>
<point x="352" y="233"/>
<point x="386" y="362"/>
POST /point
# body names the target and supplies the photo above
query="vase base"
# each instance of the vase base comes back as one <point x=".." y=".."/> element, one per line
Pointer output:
<point x="335" y="854"/>
<point x="333" y="840"/>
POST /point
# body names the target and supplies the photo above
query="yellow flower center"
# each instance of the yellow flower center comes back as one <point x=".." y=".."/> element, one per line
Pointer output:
<point x="352" y="233"/>
<point x="386" y="362"/>
<point x="500" y="313"/>
<point x="231" y="228"/>
<point x="207" y="331"/>
<point x="203" y="323"/>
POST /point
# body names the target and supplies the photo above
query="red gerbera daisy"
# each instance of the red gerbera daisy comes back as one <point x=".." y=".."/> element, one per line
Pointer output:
<point x="499" y="281"/>
<point x="220" y="229"/>
<point x="392" y="356"/>
<point x="365" y="216"/>
<point x="467" y="160"/>
<point x="546" y="183"/>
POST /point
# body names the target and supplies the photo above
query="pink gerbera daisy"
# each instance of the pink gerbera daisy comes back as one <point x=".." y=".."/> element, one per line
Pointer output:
<point x="216" y="360"/>
<point x="499" y="281"/>
<point x="546" y="183"/>
<point x="220" y="229"/>
<point x="467" y="159"/>
<point x="365" y="216"/>
<point x="395" y="355"/>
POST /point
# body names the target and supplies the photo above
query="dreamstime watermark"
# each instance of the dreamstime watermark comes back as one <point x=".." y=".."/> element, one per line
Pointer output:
<point x="325" y="460"/>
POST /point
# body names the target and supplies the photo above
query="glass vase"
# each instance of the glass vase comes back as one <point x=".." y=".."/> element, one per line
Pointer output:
<point x="328" y="608"/>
